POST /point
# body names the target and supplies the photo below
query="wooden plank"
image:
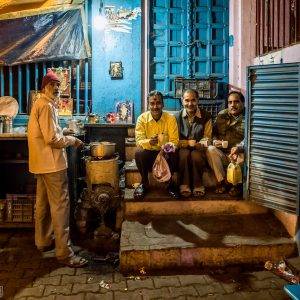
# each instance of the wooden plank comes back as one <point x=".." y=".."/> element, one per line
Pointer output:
<point x="261" y="26"/>
<point x="276" y="24"/>
<point x="17" y="2"/>
<point x="271" y="25"/>
<point x="281" y="24"/>
<point x="257" y="27"/>
<point x="287" y="23"/>
<point x="16" y="225"/>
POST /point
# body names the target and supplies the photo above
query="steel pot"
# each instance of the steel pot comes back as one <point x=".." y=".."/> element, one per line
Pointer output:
<point x="75" y="125"/>
<point x="106" y="149"/>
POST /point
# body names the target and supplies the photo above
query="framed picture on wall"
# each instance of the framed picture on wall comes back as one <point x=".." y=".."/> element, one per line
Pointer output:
<point x="116" y="70"/>
<point x="64" y="75"/>
<point x="124" y="111"/>
<point x="65" y="107"/>
<point x="33" y="96"/>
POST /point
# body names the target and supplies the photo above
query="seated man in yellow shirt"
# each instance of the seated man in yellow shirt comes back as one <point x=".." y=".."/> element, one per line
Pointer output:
<point x="149" y="125"/>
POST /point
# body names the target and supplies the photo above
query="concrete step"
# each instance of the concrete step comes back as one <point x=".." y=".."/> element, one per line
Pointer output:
<point x="159" y="203"/>
<point x="180" y="242"/>
<point x="133" y="176"/>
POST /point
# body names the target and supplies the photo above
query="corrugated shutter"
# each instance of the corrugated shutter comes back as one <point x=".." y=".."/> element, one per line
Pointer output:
<point x="272" y="138"/>
<point x="187" y="38"/>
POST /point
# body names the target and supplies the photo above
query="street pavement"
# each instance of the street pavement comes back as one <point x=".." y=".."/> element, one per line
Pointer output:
<point x="27" y="274"/>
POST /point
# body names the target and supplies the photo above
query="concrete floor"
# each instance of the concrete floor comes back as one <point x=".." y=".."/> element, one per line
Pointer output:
<point x="26" y="274"/>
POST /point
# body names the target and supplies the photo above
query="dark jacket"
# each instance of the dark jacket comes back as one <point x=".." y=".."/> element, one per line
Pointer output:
<point x="196" y="130"/>
<point x="229" y="128"/>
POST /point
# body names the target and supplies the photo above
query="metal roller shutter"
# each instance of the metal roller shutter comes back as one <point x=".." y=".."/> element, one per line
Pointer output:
<point x="272" y="136"/>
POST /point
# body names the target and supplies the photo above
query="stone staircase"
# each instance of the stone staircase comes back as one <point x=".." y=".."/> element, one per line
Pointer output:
<point x="159" y="233"/>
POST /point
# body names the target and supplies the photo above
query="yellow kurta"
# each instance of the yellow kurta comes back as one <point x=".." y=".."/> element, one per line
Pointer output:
<point x="146" y="127"/>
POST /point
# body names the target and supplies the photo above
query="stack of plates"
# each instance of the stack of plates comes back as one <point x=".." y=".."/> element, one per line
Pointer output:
<point x="8" y="106"/>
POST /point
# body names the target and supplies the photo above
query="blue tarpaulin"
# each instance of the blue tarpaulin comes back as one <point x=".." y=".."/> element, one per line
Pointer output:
<point x="57" y="35"/>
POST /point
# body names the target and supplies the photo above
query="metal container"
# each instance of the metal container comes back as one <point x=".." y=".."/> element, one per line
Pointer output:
<point x="8" y="124"/>
<point x="102" y="149"/>
<point x="1" y="124"/>
<point x="102" y="172"/>
<point x="75" y="125"/>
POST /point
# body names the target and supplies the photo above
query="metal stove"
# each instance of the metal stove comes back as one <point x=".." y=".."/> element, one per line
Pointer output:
<point x="102" y="193"/>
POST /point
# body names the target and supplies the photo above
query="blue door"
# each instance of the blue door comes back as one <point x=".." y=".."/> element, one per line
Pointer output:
<point x="189" y="39"/>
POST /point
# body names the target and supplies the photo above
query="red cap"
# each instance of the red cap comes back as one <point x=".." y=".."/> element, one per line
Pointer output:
<point x="50" y="76"/>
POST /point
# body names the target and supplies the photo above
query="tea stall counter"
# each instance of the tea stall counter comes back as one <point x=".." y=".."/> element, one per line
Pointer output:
<point x="110" y="132"/>
<point x="15" y="177"/>
<point x="13" y="135"/>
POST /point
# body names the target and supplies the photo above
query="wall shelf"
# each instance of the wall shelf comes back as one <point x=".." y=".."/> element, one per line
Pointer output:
<point x="14" y="161"/>
<point x="17" y="225"/>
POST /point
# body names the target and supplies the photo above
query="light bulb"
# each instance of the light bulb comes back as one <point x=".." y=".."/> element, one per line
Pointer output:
<point x="100" y="22"/>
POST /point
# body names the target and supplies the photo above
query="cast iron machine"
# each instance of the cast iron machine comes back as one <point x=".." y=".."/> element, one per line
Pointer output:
<point x="102" y="194"/>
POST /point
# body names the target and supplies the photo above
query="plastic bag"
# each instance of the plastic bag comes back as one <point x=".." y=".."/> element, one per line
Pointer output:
<point x="160" y="169"/>
<point x="234" y="173"/>
<point x="281" y="269"/>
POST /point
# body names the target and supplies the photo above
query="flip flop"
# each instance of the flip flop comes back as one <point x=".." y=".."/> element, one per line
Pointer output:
<point x="199" y="191"/>
<point x="74" y="261"/>
<point x="185" y="190"/>
<point x="220" y="189"/>
<point x="235" y="191"/>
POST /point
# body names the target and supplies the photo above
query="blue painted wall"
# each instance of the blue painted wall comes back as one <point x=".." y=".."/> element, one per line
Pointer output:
<point x="110" y="46"/>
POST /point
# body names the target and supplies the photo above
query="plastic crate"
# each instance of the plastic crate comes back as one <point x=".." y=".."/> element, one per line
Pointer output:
<point x="20" y="208"/>
<point x="212" y="106"/>
<point x="206" y="88"/>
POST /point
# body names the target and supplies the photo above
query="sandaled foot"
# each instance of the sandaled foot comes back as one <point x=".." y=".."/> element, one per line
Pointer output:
<point x="74" y="261"/>
<point x="221" y="187"/>
<point x="185" y="191"/>
<point x="140" y="191"/>
<point x="235" y="191"/>
<point x="199" y="191"/>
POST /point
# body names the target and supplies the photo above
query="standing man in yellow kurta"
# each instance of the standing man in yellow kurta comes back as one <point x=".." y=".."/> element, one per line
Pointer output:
<point x="48" y="159"/>
<point x="151" y="125"/>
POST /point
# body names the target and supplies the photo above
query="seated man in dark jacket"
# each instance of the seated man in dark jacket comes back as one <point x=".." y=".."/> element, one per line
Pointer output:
<point x="194" y="124"/>
<point x="228" y="132"/>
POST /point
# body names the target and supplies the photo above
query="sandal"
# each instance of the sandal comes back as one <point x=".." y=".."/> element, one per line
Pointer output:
<point x="221" y="188"/>
<point x="199" y="191"/>
<point x="185" y="190"/>
<point x="235" y="191"/>
<point x="74" y="261"/>
<point x="140" y="192"/>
